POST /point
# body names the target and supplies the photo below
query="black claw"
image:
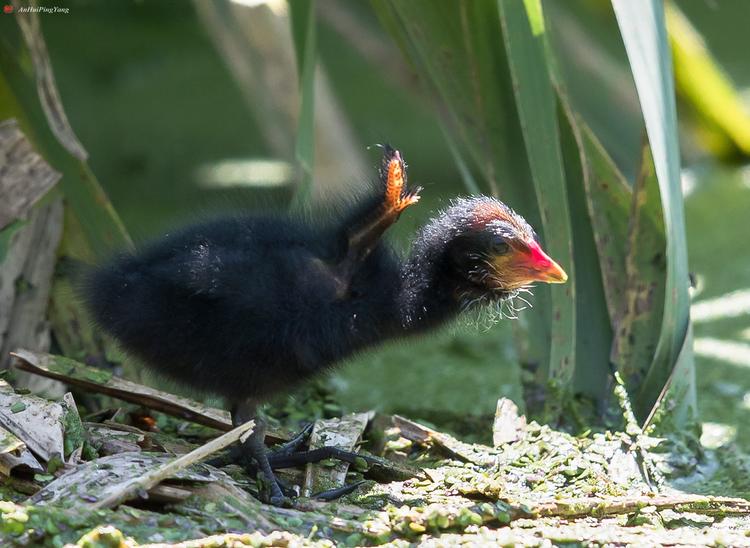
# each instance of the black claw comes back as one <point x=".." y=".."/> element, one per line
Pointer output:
<point x="289" y="447"/>
<point x="338" y="492"/>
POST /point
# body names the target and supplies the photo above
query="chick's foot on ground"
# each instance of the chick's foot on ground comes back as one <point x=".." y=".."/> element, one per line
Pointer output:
<point x="259" y="462"/>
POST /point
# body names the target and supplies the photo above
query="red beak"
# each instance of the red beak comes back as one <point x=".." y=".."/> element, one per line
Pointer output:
<point x="543" y="268"/>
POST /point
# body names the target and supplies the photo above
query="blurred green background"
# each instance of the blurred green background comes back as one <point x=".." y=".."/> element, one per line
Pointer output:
<point x="155" y="105"/>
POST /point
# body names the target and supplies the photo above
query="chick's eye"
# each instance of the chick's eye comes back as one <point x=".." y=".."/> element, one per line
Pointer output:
<point x="500" y="247"/>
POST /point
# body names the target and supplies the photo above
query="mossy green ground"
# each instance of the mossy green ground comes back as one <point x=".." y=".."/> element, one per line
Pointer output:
<point x="545" y="486"/>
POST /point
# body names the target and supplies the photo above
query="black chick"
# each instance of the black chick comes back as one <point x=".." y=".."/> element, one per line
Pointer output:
<point x="249" y="306"/>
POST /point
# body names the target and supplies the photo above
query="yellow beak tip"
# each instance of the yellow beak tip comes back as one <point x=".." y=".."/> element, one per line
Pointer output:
<point x="555" y="274"/>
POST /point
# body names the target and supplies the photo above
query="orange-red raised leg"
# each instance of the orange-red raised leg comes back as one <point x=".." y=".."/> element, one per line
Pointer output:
<point x="397" y="196"/>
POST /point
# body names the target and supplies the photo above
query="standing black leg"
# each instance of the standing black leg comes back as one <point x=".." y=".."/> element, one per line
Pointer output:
<point x="255" y="447"/>
<point x="254" y="456"/>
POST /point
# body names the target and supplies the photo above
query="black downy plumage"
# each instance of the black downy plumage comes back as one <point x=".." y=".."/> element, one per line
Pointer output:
<point x="249" y="306"/>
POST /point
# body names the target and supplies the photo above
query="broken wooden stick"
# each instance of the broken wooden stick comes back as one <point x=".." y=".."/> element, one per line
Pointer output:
<point x="477" y="454"/>
<point x="103" y="382"/>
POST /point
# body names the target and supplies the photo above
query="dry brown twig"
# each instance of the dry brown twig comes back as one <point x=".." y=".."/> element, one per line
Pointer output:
<point x="97" y="380"/>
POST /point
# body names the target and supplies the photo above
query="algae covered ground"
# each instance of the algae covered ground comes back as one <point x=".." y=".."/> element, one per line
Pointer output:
<point x="533" y="485"/>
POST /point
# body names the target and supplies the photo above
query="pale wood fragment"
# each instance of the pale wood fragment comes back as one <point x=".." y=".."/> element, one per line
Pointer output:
<point x="37" y="422"/>
<point x="344" y="433"/>
<point x="508" y="425"/>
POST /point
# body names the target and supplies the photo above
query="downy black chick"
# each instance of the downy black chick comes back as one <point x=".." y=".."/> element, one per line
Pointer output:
<point x="249" y="306"/>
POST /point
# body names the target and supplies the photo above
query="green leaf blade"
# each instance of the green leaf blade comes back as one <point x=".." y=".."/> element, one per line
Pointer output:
<point x="643" y="29"/>
<point x="593" y="326"/>
<point x="537" y="108"/>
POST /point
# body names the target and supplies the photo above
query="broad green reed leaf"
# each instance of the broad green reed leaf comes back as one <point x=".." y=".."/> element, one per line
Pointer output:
<point x="593" y="327"/>
<point x="523" y="31"/>
<point x="639" y="319"/>
<point x="608" y="196"/>
<point x="643" y="29"/>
